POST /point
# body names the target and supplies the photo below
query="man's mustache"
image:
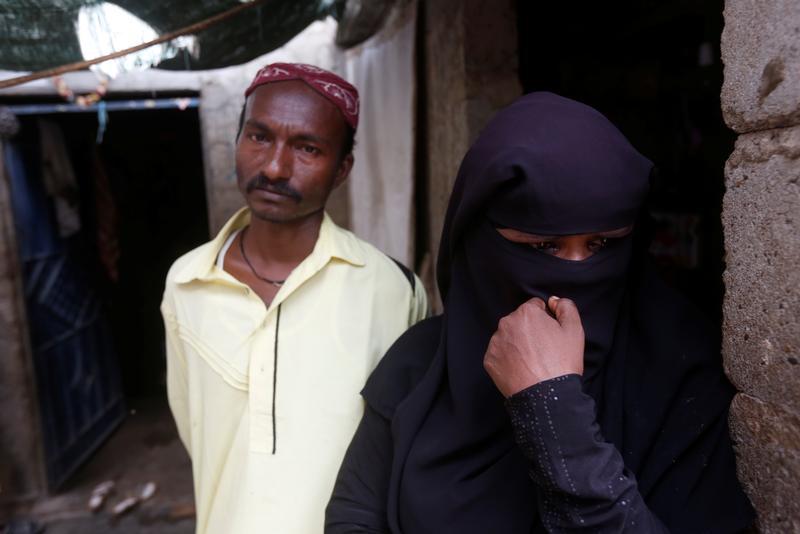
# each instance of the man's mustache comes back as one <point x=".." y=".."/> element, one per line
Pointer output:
<point x="279" y="188"/>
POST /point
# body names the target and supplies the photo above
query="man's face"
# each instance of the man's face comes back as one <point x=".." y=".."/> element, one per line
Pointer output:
<point x="288" y="156"/>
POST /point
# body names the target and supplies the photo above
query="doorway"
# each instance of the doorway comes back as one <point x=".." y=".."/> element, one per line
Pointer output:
<point x="100" y="219"/>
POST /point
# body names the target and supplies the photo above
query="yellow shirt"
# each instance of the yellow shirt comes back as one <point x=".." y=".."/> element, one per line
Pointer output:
<point x="230" y="359"/>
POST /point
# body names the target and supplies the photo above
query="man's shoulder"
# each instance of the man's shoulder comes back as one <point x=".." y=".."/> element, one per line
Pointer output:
<point x="197" y="261"/>
<point x="184" y="266"/>
<point x="387" y="268"/>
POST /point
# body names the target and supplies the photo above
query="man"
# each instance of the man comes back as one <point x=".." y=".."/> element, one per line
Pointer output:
<point x="273" y="327"/>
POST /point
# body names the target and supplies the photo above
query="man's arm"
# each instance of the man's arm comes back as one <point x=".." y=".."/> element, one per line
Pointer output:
<point x="177" y="380"/>
<point x="358" y="503"/>
<point x="420" y="309"/>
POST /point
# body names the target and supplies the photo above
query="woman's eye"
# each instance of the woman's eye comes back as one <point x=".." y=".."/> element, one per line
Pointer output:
<point x="597" y="244"/>
<point x="545" y="246"/>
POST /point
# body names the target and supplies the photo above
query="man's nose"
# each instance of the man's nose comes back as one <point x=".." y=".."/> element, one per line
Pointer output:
<point x="278" y="164"/>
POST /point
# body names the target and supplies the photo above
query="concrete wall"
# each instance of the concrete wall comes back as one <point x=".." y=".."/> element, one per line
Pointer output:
<point x="761" y="218"/>
<point x="470" y="72"/>
<point x="21" y="465"/>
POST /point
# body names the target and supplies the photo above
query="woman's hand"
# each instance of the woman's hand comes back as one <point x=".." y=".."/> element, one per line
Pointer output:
<point x="530" y="346"/>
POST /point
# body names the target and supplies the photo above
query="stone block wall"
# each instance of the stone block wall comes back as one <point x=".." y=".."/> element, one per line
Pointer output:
<point x="761" y="218"/>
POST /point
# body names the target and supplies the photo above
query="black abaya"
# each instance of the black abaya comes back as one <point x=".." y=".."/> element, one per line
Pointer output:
<point x="639" y="443"/>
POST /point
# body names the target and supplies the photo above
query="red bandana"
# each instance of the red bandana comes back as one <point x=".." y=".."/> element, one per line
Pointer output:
<point x="343" y="95"/>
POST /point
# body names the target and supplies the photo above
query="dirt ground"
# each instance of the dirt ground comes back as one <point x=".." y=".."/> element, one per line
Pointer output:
<point x="144" y="449"/>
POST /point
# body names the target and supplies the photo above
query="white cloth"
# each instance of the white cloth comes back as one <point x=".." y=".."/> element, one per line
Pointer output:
<point x="381" y="184"/>
<point x="59" y="177"/>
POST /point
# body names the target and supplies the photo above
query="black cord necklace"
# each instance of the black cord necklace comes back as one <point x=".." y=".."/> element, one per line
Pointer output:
<point x="276" y="283"/>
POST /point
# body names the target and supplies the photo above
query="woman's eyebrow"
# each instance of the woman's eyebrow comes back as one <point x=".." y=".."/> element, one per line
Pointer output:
<point x="619" y="232"/>
<point x="524" y="235"/>
<point x="519" y="234"/>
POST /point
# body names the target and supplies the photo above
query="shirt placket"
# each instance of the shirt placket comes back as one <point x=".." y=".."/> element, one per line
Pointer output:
<point x="262" y="378"/>
<point x="260" y="385"/>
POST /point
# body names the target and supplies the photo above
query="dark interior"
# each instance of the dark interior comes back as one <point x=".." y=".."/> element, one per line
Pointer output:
<point x="157" y="211"/>
<point x="654" y="69"/>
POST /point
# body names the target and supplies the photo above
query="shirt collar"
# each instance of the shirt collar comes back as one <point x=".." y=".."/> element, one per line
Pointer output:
<point x="333" y="242"/>
<point x="336" y="242"/>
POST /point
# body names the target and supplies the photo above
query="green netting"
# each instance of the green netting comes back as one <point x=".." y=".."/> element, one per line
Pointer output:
<point x="39" y="34"/>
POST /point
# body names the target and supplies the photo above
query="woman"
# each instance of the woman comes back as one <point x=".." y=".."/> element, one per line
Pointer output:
<point x="605" y="410"/>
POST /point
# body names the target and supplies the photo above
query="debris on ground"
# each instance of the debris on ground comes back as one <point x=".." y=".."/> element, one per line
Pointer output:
<point x="148" y="491"/>
<point x="99" y="494"/>
<point x="130" y="502"/>
<point x="144" y="461"/>
<point x="124" y="506"/>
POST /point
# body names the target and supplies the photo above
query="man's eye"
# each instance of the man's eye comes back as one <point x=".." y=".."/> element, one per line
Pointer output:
<point x="257" y="137"/>
<point x="308" y="149"/>
<point x="545" y="246"/>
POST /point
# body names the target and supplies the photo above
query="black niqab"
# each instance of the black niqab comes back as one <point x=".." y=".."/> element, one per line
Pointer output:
<point x="549" y="166"/>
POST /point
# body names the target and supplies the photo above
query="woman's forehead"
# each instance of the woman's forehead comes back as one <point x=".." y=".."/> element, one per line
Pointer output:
<point x="616" y="232"/>
<point x="561" y="168"/>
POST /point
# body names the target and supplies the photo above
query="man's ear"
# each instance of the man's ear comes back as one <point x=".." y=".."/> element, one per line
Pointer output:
<point x="344" y="170"/>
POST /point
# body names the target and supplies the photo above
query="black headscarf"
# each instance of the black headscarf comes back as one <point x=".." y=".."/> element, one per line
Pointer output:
<point x="551" y="166"/>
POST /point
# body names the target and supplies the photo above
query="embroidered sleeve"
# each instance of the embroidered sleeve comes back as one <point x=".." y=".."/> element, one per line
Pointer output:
<point x="582" y="479"/>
